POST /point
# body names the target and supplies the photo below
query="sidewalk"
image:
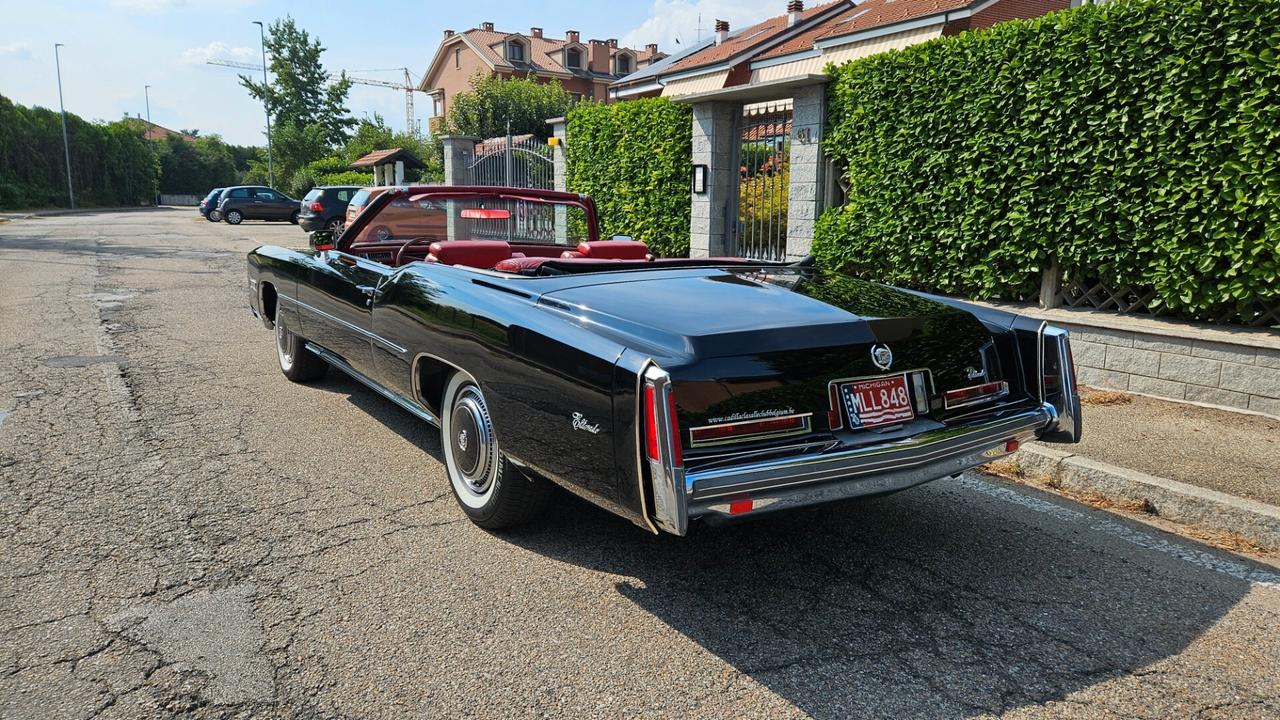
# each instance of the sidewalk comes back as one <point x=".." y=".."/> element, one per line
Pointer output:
<point x="1214" y="469"/>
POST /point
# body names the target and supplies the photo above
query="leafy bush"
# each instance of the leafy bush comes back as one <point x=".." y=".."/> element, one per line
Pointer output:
<point x="1133" y="142"/>
<point x="496" y="104"/>
<point x="633" y="158"/>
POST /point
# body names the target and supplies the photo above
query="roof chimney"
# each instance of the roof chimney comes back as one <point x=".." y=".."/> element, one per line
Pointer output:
<point x="651" y="48"/>
<point x="571" y="36"/>
<point x="486" y="26"/>
<point x="794" y="8"/>
<point x="613" y="42"/>
<point x="722" y="31"/>
<point x="535" y="32"/>
<point x="448" y="33"/>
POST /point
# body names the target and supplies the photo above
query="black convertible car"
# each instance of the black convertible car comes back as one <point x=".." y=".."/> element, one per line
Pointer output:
<point x="662" y="390"/>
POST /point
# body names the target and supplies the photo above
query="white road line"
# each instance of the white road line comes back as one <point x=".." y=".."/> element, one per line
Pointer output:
<point x="1205" y="560"/>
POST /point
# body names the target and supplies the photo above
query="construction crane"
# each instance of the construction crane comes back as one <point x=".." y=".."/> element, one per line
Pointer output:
<point x="408" y="86"/>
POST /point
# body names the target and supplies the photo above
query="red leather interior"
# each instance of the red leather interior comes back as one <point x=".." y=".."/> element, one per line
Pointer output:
<point x="570" y="254"/>
<point x="537" y="249"/>
<point x="470" y="253"/>
<point x="613" y="250"/>
<point x="521" y="265"/>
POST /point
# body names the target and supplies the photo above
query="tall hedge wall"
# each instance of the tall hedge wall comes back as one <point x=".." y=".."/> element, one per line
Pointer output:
<point x="634" y="159"/>
<point x="1135" y="142"/>
<point x="111" y="164"/>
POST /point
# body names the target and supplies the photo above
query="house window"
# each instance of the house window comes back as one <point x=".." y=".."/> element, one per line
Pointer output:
<point x="573" y="58"/>
<point x="575" y="97"/>
<point x="457" y="58"/>
<point x="515" y="51"/>
<point x="624" y="64"/>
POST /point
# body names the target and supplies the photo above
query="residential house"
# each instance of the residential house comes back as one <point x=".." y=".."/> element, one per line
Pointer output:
<point x="585" y="69"/>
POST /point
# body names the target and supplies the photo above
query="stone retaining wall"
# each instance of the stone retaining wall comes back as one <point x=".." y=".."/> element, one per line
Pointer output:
<point x="1233" y="368"/>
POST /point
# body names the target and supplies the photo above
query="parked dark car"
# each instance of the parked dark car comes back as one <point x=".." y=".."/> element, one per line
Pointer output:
<point x="663" y="390"/>
<point x="209" y="205"/>
<point x="254" y="202"/>
<point x="325" y="208"/>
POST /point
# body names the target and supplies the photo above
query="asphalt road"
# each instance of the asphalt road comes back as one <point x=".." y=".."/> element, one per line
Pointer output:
<point x="184" y="533"/>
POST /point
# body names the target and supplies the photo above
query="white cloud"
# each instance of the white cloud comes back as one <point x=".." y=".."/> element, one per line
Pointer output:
<point x="16" y="51"/>
<point x="670" y="20"/>
<point x="219" y="50"/>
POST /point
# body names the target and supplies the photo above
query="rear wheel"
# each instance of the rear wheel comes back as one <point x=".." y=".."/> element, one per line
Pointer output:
<point x="213" y="216"/>
<point x="487" y="487"/>
<point x="294" y="217"/>
<point x="234" y="217"/>
<point x="334" y="225"/>
<point x="297" y="362"/>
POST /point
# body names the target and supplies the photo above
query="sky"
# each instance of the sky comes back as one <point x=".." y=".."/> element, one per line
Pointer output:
<point x="114" y="48"/>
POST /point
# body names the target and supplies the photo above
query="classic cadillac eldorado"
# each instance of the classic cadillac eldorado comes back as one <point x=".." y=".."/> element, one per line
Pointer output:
<point x="663" y="390"/>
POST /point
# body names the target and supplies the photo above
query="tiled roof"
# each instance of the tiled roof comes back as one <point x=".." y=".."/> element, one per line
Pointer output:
<point x="865" y="16"/>
<point x="377" y="157"/>
<point x="544" y="52"/>
<point x="758" y="35"/>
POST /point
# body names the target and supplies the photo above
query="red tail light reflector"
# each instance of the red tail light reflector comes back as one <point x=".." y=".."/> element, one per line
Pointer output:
<point x="752" y="429"/>
<point x="743" y="505"/>
<point x="317" y="207"/>
<point x="974" y="394"/>
<point x="652" y="446"/>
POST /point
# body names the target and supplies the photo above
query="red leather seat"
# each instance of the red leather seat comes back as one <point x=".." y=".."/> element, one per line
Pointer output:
<point x="613" y="250"/>
<point x="470" y="253"/>
<point x="521" y="265"/>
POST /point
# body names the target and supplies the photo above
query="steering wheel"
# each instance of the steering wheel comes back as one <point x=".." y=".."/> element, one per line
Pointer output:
<point x="416" y="241"/>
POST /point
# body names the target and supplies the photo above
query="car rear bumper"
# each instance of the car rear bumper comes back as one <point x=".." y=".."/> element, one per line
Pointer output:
<point x="815" y="478"/>
<point x="311" y="223"/>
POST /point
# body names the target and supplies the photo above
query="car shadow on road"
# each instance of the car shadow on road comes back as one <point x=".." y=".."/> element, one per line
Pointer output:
<point x="923" y="604"/>
<point x="936" y="602"/>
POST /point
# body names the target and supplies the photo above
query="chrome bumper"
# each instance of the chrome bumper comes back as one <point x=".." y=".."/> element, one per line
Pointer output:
<point x="813" y="479"/>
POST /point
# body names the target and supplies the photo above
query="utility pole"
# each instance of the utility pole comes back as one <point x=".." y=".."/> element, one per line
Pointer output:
<point x="66" y="146"/>
<point x="262" y="36"/>
<point x="146" y="91"/>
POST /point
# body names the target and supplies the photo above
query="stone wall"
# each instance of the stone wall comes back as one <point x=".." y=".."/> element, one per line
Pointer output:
<point x="1233" y="368"/>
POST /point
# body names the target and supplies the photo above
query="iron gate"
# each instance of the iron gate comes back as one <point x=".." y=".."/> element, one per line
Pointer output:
<point x="764" y="177"/>
<point x="514" y="161"/>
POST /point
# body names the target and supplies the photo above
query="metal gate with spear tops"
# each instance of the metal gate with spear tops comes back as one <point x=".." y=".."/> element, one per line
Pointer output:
<point x="764" y="167"/>
<point x="514" y="161"/>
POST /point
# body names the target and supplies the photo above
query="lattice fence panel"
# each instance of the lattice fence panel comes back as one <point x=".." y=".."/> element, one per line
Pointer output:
<point x="1099" y="295"/>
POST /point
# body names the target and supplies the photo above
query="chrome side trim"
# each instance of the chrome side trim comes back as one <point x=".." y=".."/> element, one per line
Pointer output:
<point x="376" y="338"/>
<point x="640" y="443"/>
<point x="670" y="501"/>
<point x="1066" y="402"/>
<point x="891" y="457"/>
<point x="337" y="362"/>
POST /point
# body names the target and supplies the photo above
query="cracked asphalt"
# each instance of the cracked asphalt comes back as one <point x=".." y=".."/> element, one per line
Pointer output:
<point x="186" y="534"/>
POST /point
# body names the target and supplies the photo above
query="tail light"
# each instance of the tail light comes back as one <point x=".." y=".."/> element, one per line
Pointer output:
<point x="661" y="451"/>
<point x="974" y="394"/>
<point x="653" y="446"/>
<point x="316" y="207"/>
<point x="750" y="430"/>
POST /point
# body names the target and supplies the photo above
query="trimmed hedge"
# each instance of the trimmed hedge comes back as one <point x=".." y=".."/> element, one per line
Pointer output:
<point x="633" y="159"/>
<point x="1135" y="142"/>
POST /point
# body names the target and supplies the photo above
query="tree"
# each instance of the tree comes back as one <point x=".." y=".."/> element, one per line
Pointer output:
<point x="495" y="105"/>
<point x="308" y="112"/>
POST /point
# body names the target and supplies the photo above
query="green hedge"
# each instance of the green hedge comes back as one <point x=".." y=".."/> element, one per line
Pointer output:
<point x="1134" y="142"/>
<point x="111" y="164"/>
<point x="633" y="158"/>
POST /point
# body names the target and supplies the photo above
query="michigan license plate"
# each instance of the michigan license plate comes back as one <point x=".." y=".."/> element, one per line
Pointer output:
<point x="879" y="401"/>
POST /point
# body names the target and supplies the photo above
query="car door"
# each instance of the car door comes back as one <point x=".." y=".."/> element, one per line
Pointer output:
<point x="266" y="204"/>
<point x="337" y="301"/>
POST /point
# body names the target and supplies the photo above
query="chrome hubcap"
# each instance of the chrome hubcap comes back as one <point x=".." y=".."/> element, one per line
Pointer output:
<point x="284" y="343"/>
<point x="473" y="448"/>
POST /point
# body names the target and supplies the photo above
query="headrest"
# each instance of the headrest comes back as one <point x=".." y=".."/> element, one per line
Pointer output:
<point x="470" y="253"/>
<point x="614" y="249"/>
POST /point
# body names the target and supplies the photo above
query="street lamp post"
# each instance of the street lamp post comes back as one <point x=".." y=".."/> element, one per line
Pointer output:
<point x="66" y="146"/>
<point x="262" y="36"/>
<point x="146" y="91"/>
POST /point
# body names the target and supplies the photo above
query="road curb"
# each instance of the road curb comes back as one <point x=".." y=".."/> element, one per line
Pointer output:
<point x="1259" y="523"/>
<point x="28" y="214"/>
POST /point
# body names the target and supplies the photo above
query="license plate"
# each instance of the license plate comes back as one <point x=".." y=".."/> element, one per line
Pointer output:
<point x="878" y="401"/>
